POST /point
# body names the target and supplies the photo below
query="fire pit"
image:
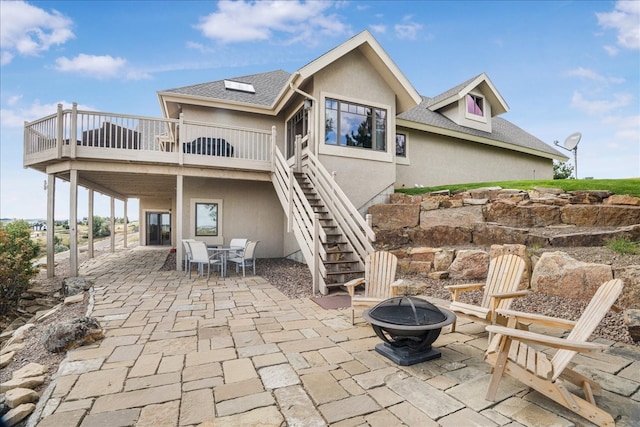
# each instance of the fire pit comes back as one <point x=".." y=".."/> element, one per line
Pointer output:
<point x="408" y="326"/>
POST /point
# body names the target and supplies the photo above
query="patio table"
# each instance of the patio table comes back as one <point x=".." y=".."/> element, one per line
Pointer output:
<point x="223" y="252"/>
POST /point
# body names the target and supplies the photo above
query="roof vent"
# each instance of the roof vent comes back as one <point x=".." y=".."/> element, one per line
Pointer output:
<point x="239" y="86"/>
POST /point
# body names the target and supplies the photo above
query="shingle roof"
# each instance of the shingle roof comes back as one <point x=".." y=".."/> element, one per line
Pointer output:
<point x="502" y="130"/>
<point x="267" y="87"/>
<point x="451" y="92"/>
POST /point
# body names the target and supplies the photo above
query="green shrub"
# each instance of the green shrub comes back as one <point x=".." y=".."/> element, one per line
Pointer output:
<point x="624" y="246"/>
<point x="17" y="252"/>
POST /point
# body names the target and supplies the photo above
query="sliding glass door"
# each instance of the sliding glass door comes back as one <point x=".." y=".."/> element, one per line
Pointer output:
<point x="158" y="229"/>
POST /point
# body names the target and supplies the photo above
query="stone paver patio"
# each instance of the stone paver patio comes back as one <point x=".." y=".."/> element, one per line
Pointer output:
<point x="237" y="352"/>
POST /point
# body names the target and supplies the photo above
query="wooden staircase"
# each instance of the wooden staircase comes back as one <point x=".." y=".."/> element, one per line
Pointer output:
<point x="340" y="263"/>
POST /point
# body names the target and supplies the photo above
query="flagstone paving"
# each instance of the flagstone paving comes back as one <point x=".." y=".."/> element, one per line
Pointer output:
<point x="236" y="351"/>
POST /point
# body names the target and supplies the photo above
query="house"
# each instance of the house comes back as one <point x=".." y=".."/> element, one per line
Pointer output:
<point x="292" y="160"/>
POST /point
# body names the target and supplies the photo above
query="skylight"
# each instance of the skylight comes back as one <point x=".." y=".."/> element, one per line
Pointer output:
<point x="239" y="86"/>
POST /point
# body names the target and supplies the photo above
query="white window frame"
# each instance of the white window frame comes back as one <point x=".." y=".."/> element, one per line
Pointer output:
<point x="475" y="117"/>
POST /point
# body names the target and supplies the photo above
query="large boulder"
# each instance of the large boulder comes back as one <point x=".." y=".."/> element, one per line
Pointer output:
<point x="485" y="234"/>
<point x="630" y="276"/>
<point x="74" y="333"/>
<point x="600" y="215"/>
<point x="465" y="216"/>
<point x="469" y="264"/>
<point x="75" y="285"/>
<point x="394" y="216"/>
<point x="556" y="273"/>
<point x="441" y="235"/>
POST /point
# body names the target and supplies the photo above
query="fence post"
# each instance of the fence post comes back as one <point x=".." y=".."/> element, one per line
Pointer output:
<point x="73" y="145"/>
<point x="59" y="137"/>
<point x="369" y="218"/>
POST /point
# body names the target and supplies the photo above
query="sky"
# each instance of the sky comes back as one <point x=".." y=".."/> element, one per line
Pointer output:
<point x="561" y="66"/>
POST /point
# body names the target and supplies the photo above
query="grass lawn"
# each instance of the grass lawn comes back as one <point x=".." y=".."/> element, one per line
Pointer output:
<point x="616" y="186"/>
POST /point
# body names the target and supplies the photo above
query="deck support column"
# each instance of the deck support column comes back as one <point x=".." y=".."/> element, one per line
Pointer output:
<point x="51" y="225"/>
<point x="178" y="222"/>
<point x="73" y="223"/>
<point x="126" y="224"/>
<point x="112" y="224"/>
<point x="90" y="225"/>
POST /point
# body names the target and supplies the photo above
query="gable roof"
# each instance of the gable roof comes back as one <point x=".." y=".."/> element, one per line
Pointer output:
<point x="504" y="133"/>
<point x="275" y="88"/>
<point x="482" y="81"/>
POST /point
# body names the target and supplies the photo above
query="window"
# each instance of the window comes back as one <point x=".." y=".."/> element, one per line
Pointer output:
<point x="206" y="219"/>
<point x="475" y="105"/>
<point x="401" y="145"/>
<point x="354" y="125"/>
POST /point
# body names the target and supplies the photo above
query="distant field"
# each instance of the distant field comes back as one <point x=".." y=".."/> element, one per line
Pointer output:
<point x="617" y="186"/>
<point x="83" y="235"/>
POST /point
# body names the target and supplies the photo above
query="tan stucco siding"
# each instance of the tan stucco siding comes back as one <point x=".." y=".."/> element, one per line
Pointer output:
<point x="361" y="173"/>
<point x="439" y="160"/>
<point x="249" y="210"/>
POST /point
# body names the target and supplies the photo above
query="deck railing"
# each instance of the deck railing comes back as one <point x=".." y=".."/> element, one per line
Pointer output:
<point x="73" y="133"/>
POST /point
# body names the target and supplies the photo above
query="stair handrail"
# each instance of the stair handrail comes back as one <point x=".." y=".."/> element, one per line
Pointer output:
<point x="349" y="220"/>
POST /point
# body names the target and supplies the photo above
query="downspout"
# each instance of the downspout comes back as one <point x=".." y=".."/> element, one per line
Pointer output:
<point x="316" y="117"/>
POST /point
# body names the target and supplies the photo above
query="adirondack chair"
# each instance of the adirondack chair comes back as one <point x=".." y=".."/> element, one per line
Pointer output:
<point x="500" y="288"/>
<point x="378" y="280"/>
<point x="510" y="353"/>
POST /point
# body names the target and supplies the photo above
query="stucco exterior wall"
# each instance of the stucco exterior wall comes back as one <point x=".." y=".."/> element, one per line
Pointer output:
<point x="236" y="118"/>
<point x="434" y="160"/>
<point x="250" y="209"/>
<point x="361" y="173"/>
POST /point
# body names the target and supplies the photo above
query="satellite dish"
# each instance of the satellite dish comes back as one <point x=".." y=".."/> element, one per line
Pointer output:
<point x="572" y="141"/>
<point x="571" y="144"/>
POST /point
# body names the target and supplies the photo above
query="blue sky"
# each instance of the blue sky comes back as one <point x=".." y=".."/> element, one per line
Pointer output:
<point x="561" y="66"/>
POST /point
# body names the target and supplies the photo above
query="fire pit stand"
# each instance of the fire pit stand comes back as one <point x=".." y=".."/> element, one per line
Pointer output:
<point x="408" y="326"/>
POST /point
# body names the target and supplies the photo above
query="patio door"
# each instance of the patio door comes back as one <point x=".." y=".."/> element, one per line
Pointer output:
<point x="158" y="229"/>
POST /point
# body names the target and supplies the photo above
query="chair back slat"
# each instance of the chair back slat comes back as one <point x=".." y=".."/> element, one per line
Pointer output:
<point x="380" y="272"/>
<point x="600" y="304"/>
<point x="505" y="273"/>
<point x="250" y="249"/>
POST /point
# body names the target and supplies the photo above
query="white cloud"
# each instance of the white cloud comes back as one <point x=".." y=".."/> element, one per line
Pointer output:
<point x="598" y="107"/>
<point x="408" y="29"/>
<point x="98" y="66"/>
<point x="28" y="30"/>
<point x="15" y="118"/>
<point x="625" y="19"/>
<point x="244" y="21"/>
<point x="378" y="28"/>
<point x="611" y="50"/>
<point x="592" y="75"/>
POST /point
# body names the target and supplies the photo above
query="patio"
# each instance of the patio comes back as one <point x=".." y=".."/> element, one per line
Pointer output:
<point x="236" y="351"/>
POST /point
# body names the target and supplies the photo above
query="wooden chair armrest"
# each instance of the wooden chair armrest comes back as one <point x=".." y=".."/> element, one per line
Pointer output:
<point x="465" y="287"/>
<point x="539" y="319"/>
<point x="351" y="285"/>
<point x="456" y="290"/>
<point x="534" y="338"/>
<point x="506" y="295"/>
<point x="394" y="287"/>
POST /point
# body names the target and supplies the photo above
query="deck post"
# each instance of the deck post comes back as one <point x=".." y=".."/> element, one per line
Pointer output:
<point x="51" y="225"/>
<point x="182" y="138"/>
<point x="73" y="145"/>
<point x="178" y="222"/>
<point x="90" y="224"/>
<point x="73" y="223"/>
<point x="112" y="224"/>
<point x="298" y="165"/>
<point x="274" y="135"/>
<point x="126" y="223"/>
<point x="316" y="255"/>
<point x="60" y="129"/>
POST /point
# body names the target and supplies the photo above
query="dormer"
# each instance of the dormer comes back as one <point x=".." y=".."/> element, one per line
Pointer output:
<point x="471" y="104"/>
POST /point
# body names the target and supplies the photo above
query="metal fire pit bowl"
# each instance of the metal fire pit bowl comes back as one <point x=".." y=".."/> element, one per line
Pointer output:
<point x="408" y="326"/>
